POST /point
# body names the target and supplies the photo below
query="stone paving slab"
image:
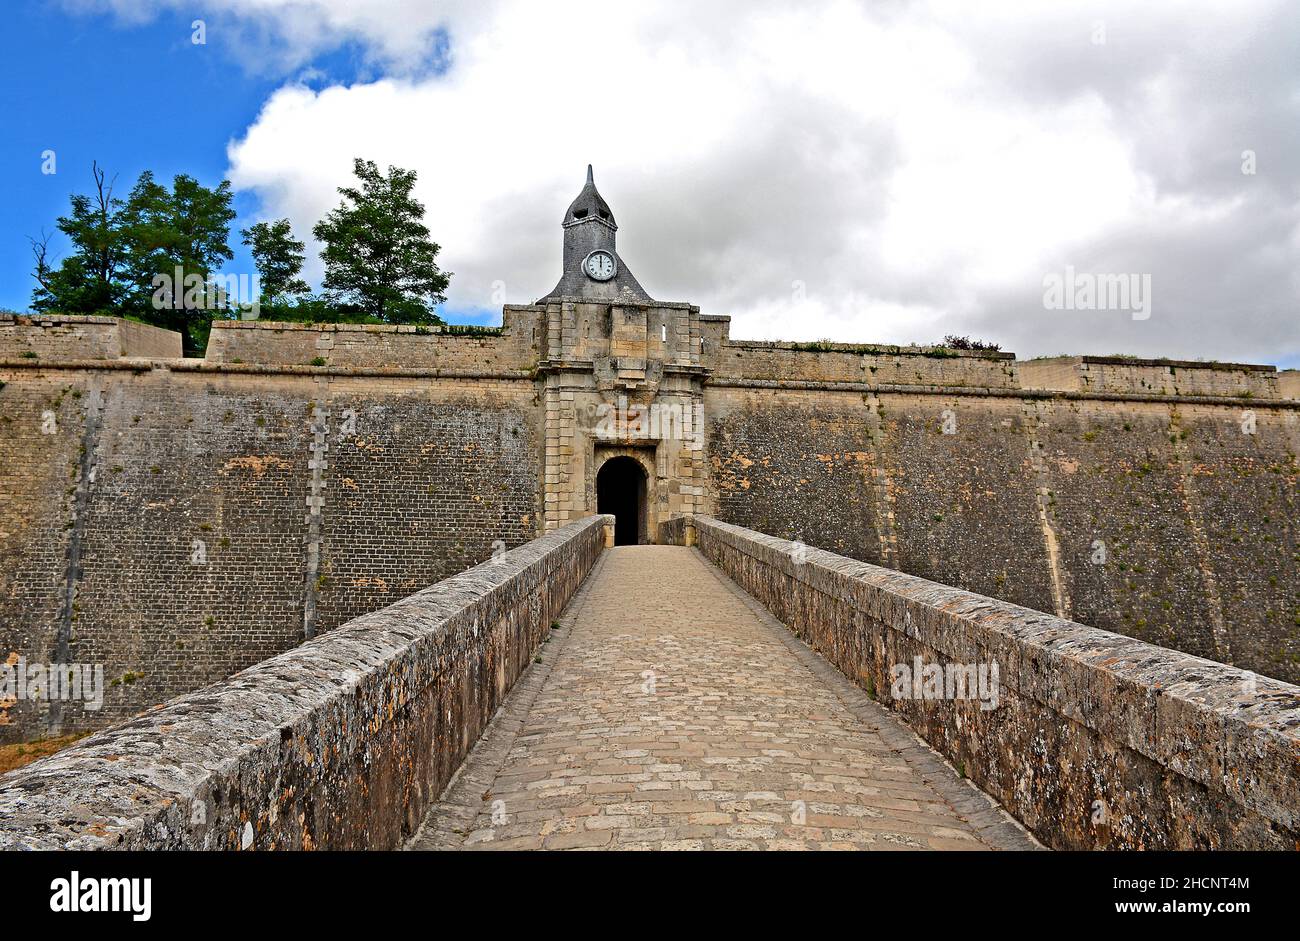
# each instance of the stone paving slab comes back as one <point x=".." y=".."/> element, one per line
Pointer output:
<point x="670" y="711"/>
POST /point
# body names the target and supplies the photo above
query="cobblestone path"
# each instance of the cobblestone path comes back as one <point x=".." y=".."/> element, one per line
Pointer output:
<point x="671" y="711"/>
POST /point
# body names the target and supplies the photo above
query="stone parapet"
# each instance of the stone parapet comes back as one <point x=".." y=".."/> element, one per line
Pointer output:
<point x="516" y="346"/>
<point x="1148" y="377"/>
<point x="862" y="363"/>
<point x="46" y="338"/>
<point x="1094" y="740"/>
<point x="340" y="743"/>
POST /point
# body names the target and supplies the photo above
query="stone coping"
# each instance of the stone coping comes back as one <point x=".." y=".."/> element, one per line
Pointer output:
<point x="56" y="319"/>
<point x="869" y="349"/>
<point x="447" y="331"/>
<point x="194" y="365"/>
<point x="1134" y="361"/>
<point x="811" y="385"/>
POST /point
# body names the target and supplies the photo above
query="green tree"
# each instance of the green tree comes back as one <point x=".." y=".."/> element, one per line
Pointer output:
<point x="175" y="239"/>
<point x="377" y="250"/>
<point x="90" y="280"/>
<point x="279" y="257"/>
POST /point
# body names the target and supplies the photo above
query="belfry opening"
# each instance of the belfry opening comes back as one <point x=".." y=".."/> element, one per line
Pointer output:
<point x="621" y="492"/>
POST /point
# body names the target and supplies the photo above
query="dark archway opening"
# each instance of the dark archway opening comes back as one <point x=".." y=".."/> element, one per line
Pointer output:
<point x="620" y="491"/>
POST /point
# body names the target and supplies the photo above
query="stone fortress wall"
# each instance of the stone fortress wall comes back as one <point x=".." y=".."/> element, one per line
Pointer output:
<point x="210" y="515"/>
<point x="1150" y="498"/>
<point x="179" y="520"/>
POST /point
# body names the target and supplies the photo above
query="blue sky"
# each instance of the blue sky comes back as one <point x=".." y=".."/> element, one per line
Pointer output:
<point x="78" y="85"/>
<point x="132" y="96"/>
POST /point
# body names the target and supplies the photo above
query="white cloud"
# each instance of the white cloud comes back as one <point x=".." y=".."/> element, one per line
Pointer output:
<point x="917" y="167"/>
<point x="396" y="32"/>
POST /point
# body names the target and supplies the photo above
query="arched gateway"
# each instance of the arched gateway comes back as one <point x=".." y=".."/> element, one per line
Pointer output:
<point x="621" y="491"/>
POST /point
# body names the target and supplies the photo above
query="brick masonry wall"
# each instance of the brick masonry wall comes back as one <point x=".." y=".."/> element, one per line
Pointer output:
<point x="338" y="744"/>
<point x="192" y="518"/>
<point x="193" y="540"/>
<point x="803" y="465"/>
<point x="1196" y="520"/>
<point x="422" y="486"/>
<point x="1117" y="494"/>
<point x="1094" y="741"/>
<point x="41" y="427"/>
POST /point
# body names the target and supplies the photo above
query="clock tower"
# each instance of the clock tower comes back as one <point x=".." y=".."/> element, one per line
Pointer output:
<point x="592" y="268"/>
<point x="622" y="386"/>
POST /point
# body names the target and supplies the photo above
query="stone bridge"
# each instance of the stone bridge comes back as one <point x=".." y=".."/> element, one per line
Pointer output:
<point x="722" y="690"/>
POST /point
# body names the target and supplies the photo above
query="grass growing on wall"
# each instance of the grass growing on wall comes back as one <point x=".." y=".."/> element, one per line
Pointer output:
<point x="15" y="756"/>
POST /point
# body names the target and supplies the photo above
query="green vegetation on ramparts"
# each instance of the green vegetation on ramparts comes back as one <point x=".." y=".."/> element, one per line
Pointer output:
<point x="153" y="257"/>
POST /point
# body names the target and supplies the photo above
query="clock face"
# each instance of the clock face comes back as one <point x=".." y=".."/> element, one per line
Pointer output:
<point x="599" y="265"/>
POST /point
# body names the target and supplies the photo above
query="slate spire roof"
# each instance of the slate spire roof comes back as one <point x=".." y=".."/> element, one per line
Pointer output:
<point x="589" y="204"/>
<point x="589" y="226"/>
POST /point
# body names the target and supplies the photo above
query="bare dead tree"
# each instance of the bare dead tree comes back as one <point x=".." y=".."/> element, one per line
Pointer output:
<point x="107" y="255"/>
<point x="40" y="253"/>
